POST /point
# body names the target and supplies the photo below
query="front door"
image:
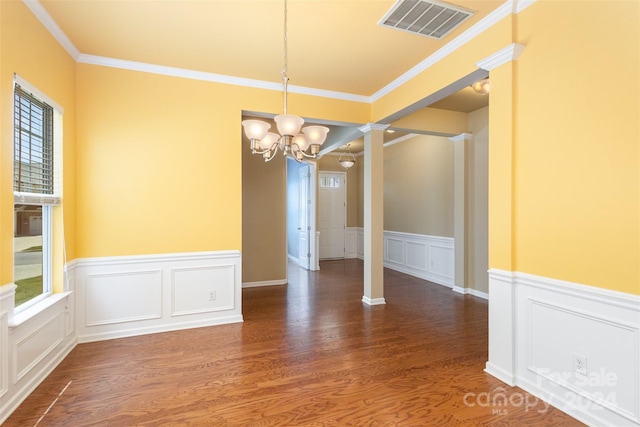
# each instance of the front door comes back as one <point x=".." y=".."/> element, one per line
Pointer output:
<point x="332" y="221"/>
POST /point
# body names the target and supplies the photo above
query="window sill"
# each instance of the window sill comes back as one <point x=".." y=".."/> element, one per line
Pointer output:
<point x="29" y="313"/>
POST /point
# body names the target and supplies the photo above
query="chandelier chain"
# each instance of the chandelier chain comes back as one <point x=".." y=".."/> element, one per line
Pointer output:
<point x="285" y="78"/>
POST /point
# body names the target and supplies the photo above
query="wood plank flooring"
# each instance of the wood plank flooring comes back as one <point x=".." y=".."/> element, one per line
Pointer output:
<point x="308" y="354"/>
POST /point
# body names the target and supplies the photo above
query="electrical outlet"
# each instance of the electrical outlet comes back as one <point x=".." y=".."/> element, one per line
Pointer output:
<point x="580" y="364"/>
<point x="212" y="295"/>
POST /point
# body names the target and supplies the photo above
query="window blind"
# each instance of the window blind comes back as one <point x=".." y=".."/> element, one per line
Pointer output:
<point x="33" y="145"/>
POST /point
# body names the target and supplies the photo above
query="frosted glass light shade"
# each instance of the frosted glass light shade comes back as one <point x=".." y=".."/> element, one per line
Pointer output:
<point x="301" y="142"/>
<point x="315" y="135"/>
<point x="481" y="87"/>
<point x="255" y="129"/>
<point x="269" y="139"/>
<point x="289" y="124"/>
<point x="347" y="163"/>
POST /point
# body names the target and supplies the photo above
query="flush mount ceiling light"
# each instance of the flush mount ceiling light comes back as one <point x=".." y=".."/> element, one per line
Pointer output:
<point x="481" y="87"/>
<point x="347" y="160"/>
<point x="289" y="140"/>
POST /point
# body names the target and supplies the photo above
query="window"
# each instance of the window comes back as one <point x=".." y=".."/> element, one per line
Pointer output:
<point x="36" y="189"/>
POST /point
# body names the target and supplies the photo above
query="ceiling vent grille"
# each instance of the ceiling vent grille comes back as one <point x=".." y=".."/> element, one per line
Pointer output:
<point x="428" y="18"/>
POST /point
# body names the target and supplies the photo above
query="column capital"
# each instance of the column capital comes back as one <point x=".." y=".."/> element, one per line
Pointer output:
<point x="462" y="137"/>
<point x="507" y="54"/>
<point x="373" y="126"/>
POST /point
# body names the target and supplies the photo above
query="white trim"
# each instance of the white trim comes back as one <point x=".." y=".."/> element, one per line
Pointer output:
<point x="373" y="126"/>
<point x="47" y="21"/>
<point x="469" y="291"/>
<point x="262" y="283"/>
<point x="427" y="257"/>
<point x="461" y="137"/>
<point x="373" y="301"/>
<point x="32" y="311"/>
<point x="37" y="93"/>
<point x="214" y="78"/>
<point x="520" y="5"/>
<point x="351" y="242"/>
<point x="503" y="56"/>
<point x="476" y="29"/>
<point x="508" y="7"/>
<point x="399" y="140"/>
<point x="537" y="326"/>
<point x="292" y="259"/>
<point x="163" y="292"/>
<point x="136" y="259"/>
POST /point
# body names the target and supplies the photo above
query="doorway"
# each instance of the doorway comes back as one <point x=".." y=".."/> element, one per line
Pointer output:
<point x="332" y="214"/>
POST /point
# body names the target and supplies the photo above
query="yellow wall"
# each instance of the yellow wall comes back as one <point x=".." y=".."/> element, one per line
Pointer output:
<point x="577" y="135"/>
<point x="159" y="164"/>
<point x="163" y="168"/>
<point x="564" y="158"/>
<point x="28" y="50"/>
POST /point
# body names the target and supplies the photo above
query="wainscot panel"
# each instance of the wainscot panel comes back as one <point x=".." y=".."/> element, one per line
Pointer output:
<point x="32" y="343"/>
<point x="427" y="257"/>
<point x="576" y="347"/>
<point x="351" y="243"/>
<point x="135" y="295"/>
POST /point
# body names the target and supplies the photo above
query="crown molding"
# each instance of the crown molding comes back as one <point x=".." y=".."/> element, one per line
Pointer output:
<point x="462" y="137"/>
<point x="373" y="126"/>
<point x="43" y="16"/>
<point x="507" y="54"/>
<point x="520" y="5"/>
<point x="508" y="7"/>
<point x="399" y="139"/>
<point x="476" y="29"/>
<point x="212" y="77"/>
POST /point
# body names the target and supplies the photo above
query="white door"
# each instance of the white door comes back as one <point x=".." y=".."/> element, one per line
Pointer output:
<point x="333" y="207"/>
<point x="304" y="224"/>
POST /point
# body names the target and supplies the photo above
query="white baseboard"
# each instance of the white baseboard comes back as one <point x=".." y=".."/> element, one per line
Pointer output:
<point x="136" y="295"/>
<point x="264" y="283"/>
<point x="539" y="327"/>
<point x="373" y="301"/>
<point x="469" y="291"/>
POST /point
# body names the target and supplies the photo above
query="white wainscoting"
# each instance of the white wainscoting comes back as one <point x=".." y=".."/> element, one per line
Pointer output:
<point x="136" y="295"/>
<point x="32" y="343"/>
<point x="351" y="243"/>
<point x="427" y="257"/>
<point x="539" y="327"/>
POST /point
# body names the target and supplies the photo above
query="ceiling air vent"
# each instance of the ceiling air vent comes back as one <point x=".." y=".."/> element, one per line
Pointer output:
<point x="428" y="18"/>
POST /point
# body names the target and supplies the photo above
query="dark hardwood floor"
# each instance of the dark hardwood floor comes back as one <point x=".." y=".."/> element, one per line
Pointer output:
<point x="308" y="354"/>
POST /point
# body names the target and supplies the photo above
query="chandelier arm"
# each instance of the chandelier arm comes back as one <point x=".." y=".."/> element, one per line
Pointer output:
<point x="273" y="150"/>
<point x="309" y="156"/>
<point x="258" y="151"/>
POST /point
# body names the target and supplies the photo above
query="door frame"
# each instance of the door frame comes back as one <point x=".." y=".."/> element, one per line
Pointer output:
<point x="344" y="175"/>
<point x="314" y="260"/>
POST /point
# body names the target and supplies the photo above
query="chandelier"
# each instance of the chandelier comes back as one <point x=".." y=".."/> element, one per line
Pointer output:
<point x="288" y="139"/>
<point x="347" y="159"/>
